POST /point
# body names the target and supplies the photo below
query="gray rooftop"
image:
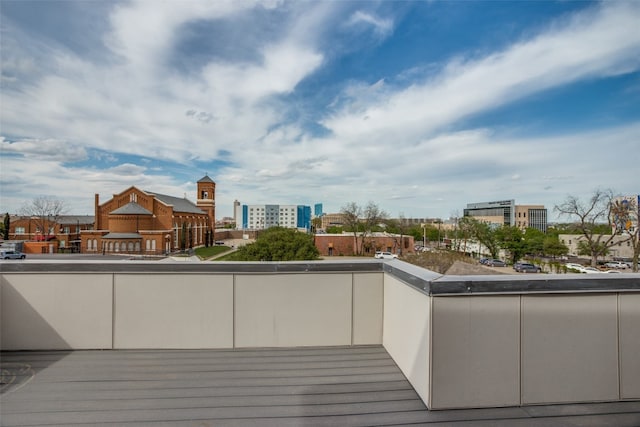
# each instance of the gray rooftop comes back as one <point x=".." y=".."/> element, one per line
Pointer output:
<point x="179" y="205"/>
<point x="131" y="208"/>
<point x="319" y="386"/>
<point x="76" y="219"/>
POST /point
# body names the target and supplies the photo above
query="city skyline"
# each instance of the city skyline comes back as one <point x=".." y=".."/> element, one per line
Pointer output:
<point x="420" y="107"/>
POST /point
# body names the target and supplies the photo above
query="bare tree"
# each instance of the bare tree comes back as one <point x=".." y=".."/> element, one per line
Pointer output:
<point x="351" y="214"/>
<point x="464" y="232"/>
<point x="483" y="233"/>
<point x="45" y="212"/>
<point x="373" y="217"/>
<point x="399" y="226"/>
<point x="6" y="226"/>
<point x="361" y="221"/>
<point x="592" y="215"/>
<point x="455" y="216"/>
<point x="625" y="215"/>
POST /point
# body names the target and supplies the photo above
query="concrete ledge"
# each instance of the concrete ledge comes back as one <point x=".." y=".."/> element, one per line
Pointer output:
<point x="131" y="266"/>
<point x="538" y="283"/>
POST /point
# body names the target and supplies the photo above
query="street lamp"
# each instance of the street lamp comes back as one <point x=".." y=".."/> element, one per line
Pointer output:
<point x="424" y="234"/>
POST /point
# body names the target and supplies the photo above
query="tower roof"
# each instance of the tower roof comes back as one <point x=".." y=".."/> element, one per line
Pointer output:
<point x="206" y="179"/>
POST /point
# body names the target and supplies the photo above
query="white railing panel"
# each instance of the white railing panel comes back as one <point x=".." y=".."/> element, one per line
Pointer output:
<point x="56" y="311"/>
<point x="173" y="311"/>
<point x="629" y="307"/>
<point x="475" y="351"/>
<point x="367" y="308"/>
<point x="406" y="332"/>
<point x="569" y="348"/>
<point x="291" y="310"/>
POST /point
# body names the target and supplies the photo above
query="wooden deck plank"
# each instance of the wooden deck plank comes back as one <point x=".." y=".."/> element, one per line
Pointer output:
<point x="169" y="393"/>
<point x="345" y="386"/>
<point x="209" y="413"/>
<point x="65" y="404"/>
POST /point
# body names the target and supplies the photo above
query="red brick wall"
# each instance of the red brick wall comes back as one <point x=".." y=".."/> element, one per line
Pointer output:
<point x="344" y="244"/>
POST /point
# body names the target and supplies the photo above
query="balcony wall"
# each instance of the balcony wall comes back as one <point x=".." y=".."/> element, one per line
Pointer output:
<point x="510" y="341"/>
<point x="144" y="308"/>
<point x="463" y="342"/>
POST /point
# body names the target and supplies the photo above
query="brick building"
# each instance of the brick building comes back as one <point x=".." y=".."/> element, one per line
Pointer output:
<point x="144" y="222"/>
<point x="49" y="234"/>
<point x="344" y="244"/>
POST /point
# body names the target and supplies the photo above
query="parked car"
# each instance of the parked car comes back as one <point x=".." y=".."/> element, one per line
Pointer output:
<point x="612" y="271"/>
<point x="12" y="255"/>
<point x="496" y="263"/>
<point x="590" y="270"/>
<point x="526" y="267"/>
<point x="484" y="261"/>
<point x="385" y="255"/>
<point x="616" y="264"/>
<point x="574" y="266"/>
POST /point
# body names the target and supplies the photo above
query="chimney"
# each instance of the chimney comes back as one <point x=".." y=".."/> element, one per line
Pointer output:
<point x="97" y="225"/>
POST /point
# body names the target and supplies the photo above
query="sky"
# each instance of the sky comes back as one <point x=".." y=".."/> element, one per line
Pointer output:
<point x="420" y="107"/>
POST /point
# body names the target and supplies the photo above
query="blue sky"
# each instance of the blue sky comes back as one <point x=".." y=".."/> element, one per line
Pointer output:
<point x="420" y="107"/>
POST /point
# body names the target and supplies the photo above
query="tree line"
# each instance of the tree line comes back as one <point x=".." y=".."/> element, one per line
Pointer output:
<point x="593" y="219"/>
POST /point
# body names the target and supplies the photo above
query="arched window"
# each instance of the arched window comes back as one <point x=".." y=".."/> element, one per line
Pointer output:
<point x="116" y="247"/>
<point x="148" y="244"/>
<point x="137" y="247"/>
<point x="130" y="247"/>
<point x="153" y="245"/>
<point x="110" y="247"/>
<point x="95" y="244"/>
<point x="123" y="246"/>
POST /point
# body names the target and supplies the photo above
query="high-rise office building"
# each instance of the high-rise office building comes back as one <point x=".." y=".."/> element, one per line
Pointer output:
<point x="506" y="212"/>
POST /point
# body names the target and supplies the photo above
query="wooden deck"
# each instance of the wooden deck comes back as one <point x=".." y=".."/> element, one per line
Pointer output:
<point x="354" y="386"/>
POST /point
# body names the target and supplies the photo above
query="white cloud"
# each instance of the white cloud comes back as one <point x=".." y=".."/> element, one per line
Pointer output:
<point x="143" y="32"/>
<point x="136" y="105"/>
<point x="382" y="27"/>
<point x="603" y="42"/>
<point x="127" y="169"/>
<point x="400" y="146"/>
<point x="45" y="150"/>
<point x="282" y="68"/>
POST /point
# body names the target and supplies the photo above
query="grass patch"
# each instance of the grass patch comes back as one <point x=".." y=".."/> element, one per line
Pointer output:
<point x="227" y="257"/>
<point x="205" y="253"/>
<point x="438" y="261"/>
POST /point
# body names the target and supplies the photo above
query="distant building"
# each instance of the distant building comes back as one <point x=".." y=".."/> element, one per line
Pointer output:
<point x="344" y="244"/>
<point x="63" y="233"/>
<point x="225" y="222"/>
<point x="419" y="221"/>
<point x="625" y="214"/>
<point x="332" y="220"/>
<point x="260" y="217"/>
<point x="317" y="210"/>
<point x="506" y="212"/>
<point x="144" y="222"/>
<point x="621" y="249"/>
<point x="531" y="216"/>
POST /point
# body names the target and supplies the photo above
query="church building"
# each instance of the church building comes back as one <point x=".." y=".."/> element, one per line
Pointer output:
<point x="147" y="223"/>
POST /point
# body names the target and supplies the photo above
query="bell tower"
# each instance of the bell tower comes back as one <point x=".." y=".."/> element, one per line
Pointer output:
<point x="206" y="199"/>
